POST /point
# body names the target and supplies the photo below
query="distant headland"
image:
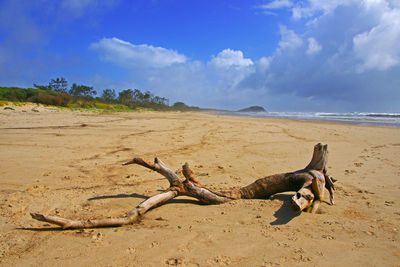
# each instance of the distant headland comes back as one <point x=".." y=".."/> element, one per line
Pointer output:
<point x="253" y="109"/>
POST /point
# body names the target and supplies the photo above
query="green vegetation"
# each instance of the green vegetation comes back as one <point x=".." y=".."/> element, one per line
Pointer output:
<point x="253" y="109"/>
<point x="183" y="107"/>
<point x="82" y="97"/>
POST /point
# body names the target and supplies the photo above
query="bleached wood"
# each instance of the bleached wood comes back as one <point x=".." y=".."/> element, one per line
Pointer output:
<point x="157" y="166"/>
<point x="308" y="184"/>
<point x="130" y="218"/>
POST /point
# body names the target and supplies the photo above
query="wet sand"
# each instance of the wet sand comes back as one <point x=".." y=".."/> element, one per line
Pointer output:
<point x="69" y="164"/>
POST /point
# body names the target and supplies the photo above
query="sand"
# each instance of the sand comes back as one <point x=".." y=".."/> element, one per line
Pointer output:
<point x="69" y="164"/>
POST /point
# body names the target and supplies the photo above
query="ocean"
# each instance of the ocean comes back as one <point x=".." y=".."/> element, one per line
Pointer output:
<point x="377" y="119"/>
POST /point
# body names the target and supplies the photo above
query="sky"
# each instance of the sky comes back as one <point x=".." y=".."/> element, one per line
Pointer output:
<point x="284" y="55"/>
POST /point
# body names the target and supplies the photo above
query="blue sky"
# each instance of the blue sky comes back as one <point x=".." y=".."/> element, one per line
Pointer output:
<point x="311" y="55"/>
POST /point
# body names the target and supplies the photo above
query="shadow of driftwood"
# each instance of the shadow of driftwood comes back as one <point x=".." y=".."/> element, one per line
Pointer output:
<point x="134" y="195"/>
<point x="57" y="229"/>
<point x="120" y="196"/>
<point x="35" y="229"/>
<point x="285" y="213"/>
<point x="184" y="201"/>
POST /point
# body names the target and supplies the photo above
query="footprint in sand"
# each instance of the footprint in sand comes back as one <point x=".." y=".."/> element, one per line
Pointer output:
<point x="359" y="244"/>
<point x="174" y="261"/>
<point x="329" y="237"/>
<point x="347" y="172"/>
<point x="154" y="244"/>
<point x="97" y="238"/>
<point x="220" y="260"/>
<point x="131" y="250"/>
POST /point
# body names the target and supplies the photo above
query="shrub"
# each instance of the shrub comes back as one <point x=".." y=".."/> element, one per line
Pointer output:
<point x="13" y="94"/>
<point x="48" y="99"/>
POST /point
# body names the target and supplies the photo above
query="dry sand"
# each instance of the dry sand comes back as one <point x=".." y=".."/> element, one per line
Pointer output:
<point x="69" y="164"/>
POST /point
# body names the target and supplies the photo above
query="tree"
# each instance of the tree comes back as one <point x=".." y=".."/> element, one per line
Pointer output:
<point x="42" y="87"/>
<point x="165" y="101"/>
<point x="157" y="100"/>
<point x="59" y="85"/>
<point x="109" y="95"/>
<point x="138" y="96"/>
<point x="160" y="101"/>
<point x="126" y="97"/>
<point x="180" y="106"/>
<point x="74" y="90"/>
<point x="82" y="90"/>
<point x="148" y="96"/>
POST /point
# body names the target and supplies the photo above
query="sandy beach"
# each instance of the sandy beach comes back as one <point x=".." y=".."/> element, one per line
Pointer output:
<point x="69" y="164"/>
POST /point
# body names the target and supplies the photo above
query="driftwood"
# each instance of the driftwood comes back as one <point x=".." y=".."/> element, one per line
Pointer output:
<point x="308" y="183"/>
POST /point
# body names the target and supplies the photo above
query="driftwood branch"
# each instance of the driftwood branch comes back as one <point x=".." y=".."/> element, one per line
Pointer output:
<point x="308" y="183"/>
<point x="132" y="216"/>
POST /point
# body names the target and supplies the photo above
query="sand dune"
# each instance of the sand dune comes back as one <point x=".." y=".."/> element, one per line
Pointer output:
<point x="69" y="164"/>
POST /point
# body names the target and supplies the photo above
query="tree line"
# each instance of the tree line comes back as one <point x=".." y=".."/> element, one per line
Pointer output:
<point x="57" y="92"/>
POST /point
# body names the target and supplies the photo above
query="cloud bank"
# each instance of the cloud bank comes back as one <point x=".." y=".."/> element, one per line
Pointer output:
<point x="347" y="59"/>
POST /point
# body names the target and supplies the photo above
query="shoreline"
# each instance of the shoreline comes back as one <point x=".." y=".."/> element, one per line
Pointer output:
<point x="295" y="116"/>
<point x="327" y="118"/>
<point x="316" y="120"/>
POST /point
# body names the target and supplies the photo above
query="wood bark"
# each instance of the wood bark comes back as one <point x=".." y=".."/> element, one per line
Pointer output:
<point x="309" y="184"/>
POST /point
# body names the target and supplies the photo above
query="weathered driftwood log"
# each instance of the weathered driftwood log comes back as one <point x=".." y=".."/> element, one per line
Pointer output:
<point x="309" y="184"/>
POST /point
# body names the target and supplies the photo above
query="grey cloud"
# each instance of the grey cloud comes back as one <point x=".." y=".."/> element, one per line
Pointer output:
<point x="347" y="74"/>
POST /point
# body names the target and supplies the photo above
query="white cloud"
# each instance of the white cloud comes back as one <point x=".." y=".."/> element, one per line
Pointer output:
<point x="313" y="7"/>
<point x="313" y="46"/>
<point x="277" y="4"/>
<point x="179" y="78"/>
<point x="358" y="61"/>
<point x="274" y="5"/>
<point x="127" y="54"/>
<point x="77" y="8"/>
<point x="289" y="39"/>
<point x="308" y="8"/>
<point x="263" y="63"/>
<point x="378" y="48"/>
<point x="374" y="36"/>
<point x="372" y="3"/>
<point x="231" y="58"/>
<point x="228" y="69"/>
